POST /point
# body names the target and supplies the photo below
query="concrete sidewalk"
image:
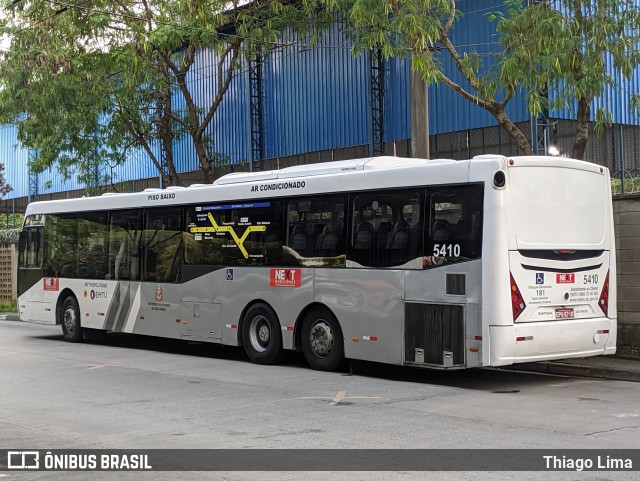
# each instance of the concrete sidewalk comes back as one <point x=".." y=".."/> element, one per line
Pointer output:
<point x="604" y="367"/>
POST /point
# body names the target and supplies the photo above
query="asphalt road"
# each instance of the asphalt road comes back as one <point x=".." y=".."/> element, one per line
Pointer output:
<point x="144" y="393"/>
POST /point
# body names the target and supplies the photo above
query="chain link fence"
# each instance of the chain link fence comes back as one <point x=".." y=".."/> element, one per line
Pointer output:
<point x="617" y="147"/>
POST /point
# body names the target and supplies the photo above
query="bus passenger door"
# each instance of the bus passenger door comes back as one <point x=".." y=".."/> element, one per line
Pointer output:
<point x="124" y="267"/>
<point x="200" y="317"/>
<point x="31" y="304"/>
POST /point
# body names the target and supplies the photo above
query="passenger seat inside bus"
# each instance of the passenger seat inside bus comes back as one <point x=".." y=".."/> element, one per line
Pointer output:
<point x="299" y="239"/>
<point x="398" y="243"/>
<point x="440" y="231"/>
<point x="364" y="236"/>
<point x="328" y="242"/>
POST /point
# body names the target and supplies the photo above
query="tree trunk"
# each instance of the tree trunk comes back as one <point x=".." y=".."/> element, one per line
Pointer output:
<point x="205" y="164"/>
<point x="167" y="134"/>
<point x="168" y="158"/>
<point x="582" y="131"/>
<point x="512" y="129"/>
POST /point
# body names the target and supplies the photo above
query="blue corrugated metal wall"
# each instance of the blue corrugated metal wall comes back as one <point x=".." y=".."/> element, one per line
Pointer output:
<point x="448" y="111"/>
<point x="314" y="98"/>
<point x="137" y="166"/>
<point x="616" y="99"/>
<point x="15" y="159"/>
<point x="228" y="130"/>
<point x="397" y="100"/>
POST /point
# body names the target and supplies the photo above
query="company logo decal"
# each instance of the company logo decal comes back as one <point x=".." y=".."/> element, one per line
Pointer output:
<point x="23" y="459"/>
<point x="51" y="284"/>
<point x="565" y="278"/>
<point x="99" y="290"/>
<point x="285" y="277"/>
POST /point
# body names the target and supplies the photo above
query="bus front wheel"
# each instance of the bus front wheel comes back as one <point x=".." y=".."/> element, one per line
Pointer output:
<point x="70" y="321"/>
<point x="322" y="342"/>
<point x="261" y="336"/>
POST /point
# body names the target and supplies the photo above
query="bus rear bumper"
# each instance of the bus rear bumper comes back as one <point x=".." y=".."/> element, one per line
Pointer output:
<point x="546" y="341"/>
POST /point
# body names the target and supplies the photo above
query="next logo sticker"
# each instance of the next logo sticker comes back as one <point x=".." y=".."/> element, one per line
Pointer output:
<point x="285" y="277"/>
<point x="565" y="278"/>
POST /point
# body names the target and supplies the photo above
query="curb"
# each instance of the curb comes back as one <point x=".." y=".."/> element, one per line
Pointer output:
<point x="9" y="316"/>
<point x="568" y="369"/>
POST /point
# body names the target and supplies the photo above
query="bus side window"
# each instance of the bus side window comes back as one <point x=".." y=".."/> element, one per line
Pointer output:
<point x="60" y="246"/>
<point x="385" y="228"/>
<point x="124" y="245"/>
<point x="455" y="223"/>
<point x="315" y="228"/>
<point x="31" y="247"/>
<point x="163" y="244"/>
<point x="91" y="244"/>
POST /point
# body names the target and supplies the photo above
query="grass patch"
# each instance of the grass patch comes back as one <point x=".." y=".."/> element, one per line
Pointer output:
<point x="8" y="306"/>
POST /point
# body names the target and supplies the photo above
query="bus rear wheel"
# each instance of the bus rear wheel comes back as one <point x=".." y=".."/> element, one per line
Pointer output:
<point x="70" y="320"/>
<point x="322" y="342"/>
<point x="261" y="335"/>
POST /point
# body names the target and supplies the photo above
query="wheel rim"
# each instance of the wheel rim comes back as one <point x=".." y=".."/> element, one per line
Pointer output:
<point x="321" y="338"/>
<point x="260" y="333"/>
<point x="70" y="319"/>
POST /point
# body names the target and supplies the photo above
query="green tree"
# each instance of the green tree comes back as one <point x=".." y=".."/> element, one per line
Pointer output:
<point x="88" y="82"/>
<point x="567" y="52"/>
<point x="11" y="220"/>
<point x="5" y="188"/>
<point x="421" y="30"/>
<point x="556" y="47"/>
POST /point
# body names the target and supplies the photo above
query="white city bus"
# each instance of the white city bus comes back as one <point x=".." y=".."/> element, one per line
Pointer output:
<point x="435" y="263"/>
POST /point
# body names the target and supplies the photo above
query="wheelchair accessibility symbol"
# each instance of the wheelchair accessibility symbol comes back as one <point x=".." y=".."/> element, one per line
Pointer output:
<point x="539" y="277"/>
<point x="229" y="274"/>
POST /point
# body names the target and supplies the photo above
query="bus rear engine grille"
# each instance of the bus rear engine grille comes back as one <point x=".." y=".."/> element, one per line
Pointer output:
<point x="434" y="334"/>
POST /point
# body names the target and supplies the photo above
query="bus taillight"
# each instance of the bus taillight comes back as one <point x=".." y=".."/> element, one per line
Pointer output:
<point x="517" y="302"/>
<point x="604" y="296"/>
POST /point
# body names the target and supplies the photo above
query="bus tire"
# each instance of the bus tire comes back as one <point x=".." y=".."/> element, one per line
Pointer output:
<point x="322" y="341"/>
<point x="94" y="335"/>
<point x="261" y="335"/>
<point x="70" y="320"/>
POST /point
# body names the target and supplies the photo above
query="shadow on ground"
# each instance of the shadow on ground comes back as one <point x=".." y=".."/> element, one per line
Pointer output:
<point x="503" y="382"/>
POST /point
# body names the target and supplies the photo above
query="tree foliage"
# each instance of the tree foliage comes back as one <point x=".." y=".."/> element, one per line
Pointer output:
<point x="88" y="82"/>
<point x="5" y="188"/>
<point x="555" y="49"/>
<point x="421" y="30"/>
<point x="11" y="220"/>
<point x="567" y="52"/>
